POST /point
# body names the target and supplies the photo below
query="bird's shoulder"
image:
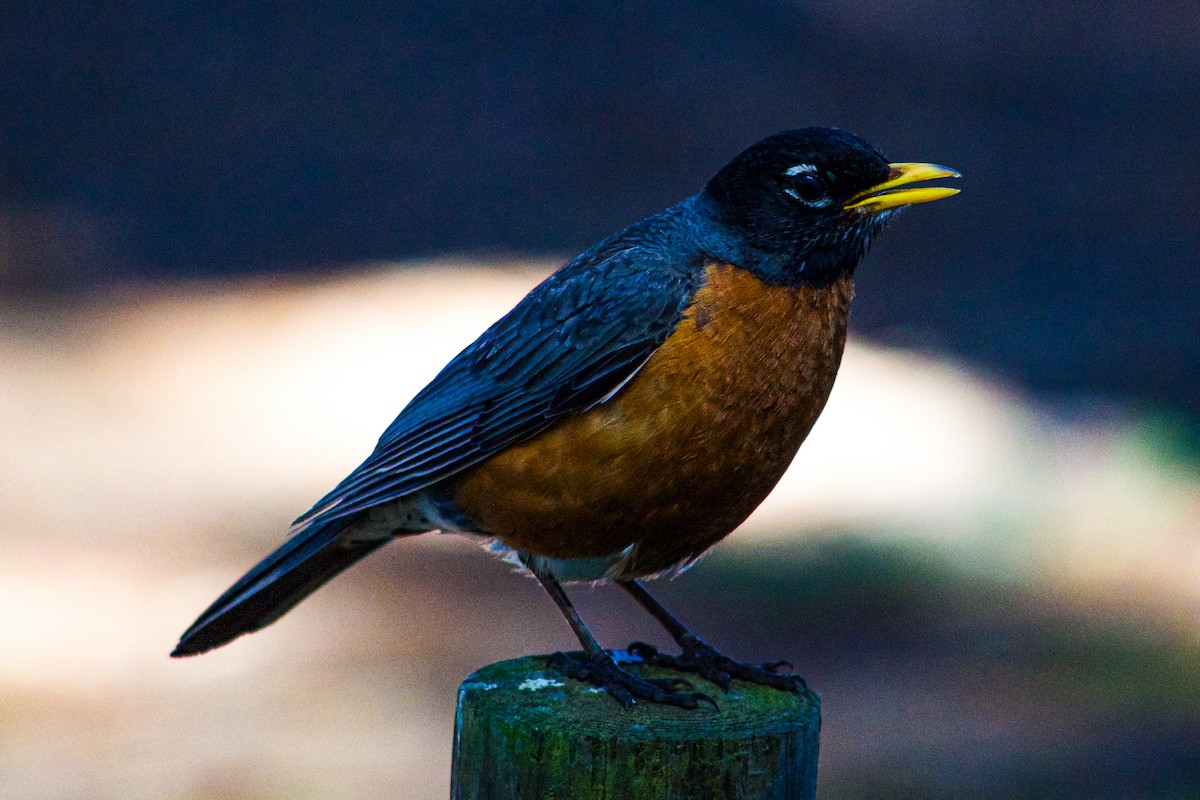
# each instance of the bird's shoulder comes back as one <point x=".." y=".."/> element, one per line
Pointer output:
<point x="626" y="292"/>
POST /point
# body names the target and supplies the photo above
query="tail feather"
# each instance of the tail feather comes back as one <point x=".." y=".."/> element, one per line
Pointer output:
<point x="295" y="570"/>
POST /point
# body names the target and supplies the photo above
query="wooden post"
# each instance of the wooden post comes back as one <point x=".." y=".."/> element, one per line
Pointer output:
<point x="525" y="731"/>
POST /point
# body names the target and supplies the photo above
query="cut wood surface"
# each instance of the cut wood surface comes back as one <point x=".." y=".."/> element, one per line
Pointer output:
<point x="525" y="731"/>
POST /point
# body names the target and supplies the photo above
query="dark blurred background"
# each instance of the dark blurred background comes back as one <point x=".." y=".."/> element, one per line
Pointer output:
<point x="199" y="200"/>
<point x="168" y="140"/>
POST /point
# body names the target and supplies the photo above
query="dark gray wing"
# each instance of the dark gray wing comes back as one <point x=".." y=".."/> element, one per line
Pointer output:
<point x="574" y="339"/>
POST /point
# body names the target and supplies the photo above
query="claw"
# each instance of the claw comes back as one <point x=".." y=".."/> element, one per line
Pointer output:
<point x="704" y="660"/>
<point x="602" y="671"/>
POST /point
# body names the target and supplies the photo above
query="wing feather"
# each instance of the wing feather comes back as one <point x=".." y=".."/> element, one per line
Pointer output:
<point x="571" y="343"/>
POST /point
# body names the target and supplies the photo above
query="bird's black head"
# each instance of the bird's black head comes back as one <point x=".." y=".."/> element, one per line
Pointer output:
<point x="806" y="203"/>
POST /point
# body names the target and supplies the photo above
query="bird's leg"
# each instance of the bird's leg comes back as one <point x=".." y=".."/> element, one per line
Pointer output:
<point x="597" y="666"/>
<point x="700" y="657"/>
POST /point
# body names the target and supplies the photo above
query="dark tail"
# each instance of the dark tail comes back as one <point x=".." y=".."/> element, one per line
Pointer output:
<point x="303" y="563"/>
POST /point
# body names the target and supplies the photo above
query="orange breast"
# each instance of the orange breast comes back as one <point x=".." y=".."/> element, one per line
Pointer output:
<point x="689" y="447"/>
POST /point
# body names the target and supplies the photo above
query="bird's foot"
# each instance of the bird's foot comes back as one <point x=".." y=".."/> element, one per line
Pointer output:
<point x="706" y="661"/>
<point x="602" y="671"/>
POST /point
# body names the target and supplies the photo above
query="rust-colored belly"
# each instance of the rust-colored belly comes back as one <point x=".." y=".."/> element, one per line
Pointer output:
<point x="681" y="455"/>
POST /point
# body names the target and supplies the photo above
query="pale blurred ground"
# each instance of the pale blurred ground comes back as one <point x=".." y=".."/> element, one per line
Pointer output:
<point x="982" y="591"/>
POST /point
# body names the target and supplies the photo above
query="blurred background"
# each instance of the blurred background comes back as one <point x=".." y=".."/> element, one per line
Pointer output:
<point x="236" y="238"/>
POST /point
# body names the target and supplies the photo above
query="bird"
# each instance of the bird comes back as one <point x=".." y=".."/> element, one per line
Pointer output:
<point x="629" y="412"/>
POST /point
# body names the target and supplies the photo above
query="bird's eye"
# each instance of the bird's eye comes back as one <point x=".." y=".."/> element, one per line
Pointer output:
<point x="808" y="188"/>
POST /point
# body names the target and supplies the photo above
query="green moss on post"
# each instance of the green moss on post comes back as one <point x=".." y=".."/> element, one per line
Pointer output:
<point x="524" y="731"/>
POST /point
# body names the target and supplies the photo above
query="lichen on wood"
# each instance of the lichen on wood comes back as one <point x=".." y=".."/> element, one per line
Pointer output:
<point x="525" y="731"/>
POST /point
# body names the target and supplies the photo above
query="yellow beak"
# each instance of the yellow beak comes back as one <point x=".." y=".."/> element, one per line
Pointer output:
<point x="889" y="194"/>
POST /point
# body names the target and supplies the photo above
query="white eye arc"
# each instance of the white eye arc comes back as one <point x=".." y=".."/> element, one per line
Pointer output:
<point x="800" y="169"/>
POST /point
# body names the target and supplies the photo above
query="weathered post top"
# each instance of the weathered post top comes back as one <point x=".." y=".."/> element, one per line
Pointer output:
<point x="524" y="731"/>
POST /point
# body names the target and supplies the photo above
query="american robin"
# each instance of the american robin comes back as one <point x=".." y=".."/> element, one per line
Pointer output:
<point x="630" y="411"/>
